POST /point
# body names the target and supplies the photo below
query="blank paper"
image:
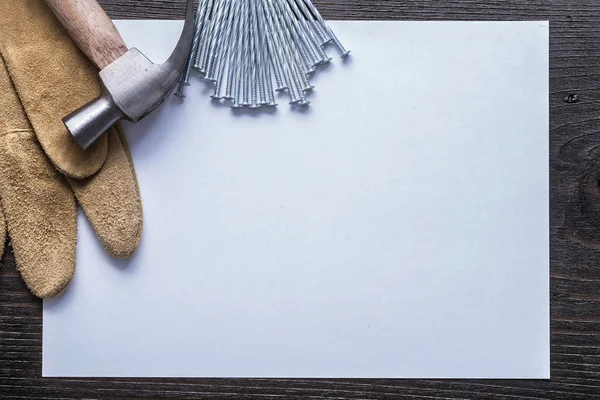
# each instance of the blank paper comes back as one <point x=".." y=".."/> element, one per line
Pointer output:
<point x="397" y="228"/>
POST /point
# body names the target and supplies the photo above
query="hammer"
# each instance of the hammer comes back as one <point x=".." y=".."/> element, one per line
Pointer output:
<point x="132" y="86"/>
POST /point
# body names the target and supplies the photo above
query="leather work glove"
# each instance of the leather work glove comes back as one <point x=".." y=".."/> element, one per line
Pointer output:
<point x="43" y="172"/>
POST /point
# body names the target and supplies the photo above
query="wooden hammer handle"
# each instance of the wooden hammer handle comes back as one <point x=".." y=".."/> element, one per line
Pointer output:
<point x="91" y="29"/>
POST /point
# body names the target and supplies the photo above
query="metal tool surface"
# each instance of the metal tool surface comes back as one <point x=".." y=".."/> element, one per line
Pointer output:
<point x="133" y="86"/>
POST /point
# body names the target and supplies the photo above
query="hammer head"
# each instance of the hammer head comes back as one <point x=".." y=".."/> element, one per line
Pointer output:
<point x="133" y="87"/>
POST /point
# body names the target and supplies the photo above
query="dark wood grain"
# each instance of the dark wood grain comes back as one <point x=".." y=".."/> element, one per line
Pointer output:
<point x="574" y="237"/>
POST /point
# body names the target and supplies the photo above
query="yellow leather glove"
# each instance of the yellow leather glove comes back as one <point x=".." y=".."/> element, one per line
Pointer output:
<point x="43" y="173"/>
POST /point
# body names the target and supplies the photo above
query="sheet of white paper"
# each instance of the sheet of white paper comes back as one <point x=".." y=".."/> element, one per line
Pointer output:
<point x="397" y="228"/>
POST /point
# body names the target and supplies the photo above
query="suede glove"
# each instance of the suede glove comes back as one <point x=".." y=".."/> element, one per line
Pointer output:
<point x="43" y="172"/>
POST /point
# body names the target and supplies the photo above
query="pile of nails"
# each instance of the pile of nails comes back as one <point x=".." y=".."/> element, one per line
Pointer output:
<point x="245" y="47"/>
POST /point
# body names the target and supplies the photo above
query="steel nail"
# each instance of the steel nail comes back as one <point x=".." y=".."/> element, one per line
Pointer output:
<point x="273" y="50"/>
<point x="215" y="56"/>
<point x="294" y="38"/>
<point x="245" y="56"/>
<point x="185" y="77"/>
<point x="292" y="74"/>
<point x="203" y="37"/>
<point x="211" y="31"/>
<point x="253" y="68"/>
<point x="277" y="70"/>
<point x="284" y="30"/>
<point x="237" y="76"/>
<point x="260" y="45"/>
<point x="327" y="29"/>
<point x="315" y="49"/>
<point x="269" y="89"/>
<point x="180" y="89"/>
<point x="233" y="52"/>
<point x="311" y="24"/>
<point x="223" y="56"/>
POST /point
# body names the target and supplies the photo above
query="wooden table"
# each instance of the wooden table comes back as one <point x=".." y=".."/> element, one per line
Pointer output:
<point x="574" y="237"/>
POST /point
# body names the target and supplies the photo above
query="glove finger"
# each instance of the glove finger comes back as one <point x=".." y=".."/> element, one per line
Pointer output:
<point x="111" y="199"/>
<point x="41" y="214"/>
<point x="52" y="78"/>
<point x="39" y="206"/>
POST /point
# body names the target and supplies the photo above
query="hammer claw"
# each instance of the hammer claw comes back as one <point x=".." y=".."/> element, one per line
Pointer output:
<point x="133" y="87"/>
